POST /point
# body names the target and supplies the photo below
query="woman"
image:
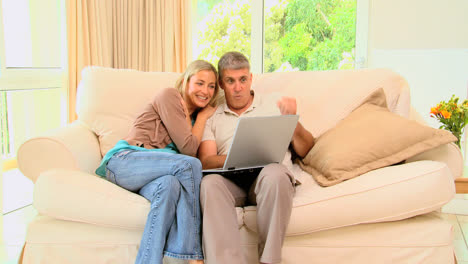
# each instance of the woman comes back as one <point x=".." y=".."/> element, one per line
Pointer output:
<point x="147" y="161"/>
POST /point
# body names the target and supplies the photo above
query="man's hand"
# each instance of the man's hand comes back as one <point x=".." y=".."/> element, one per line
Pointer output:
<point x="302" y="140"/>
<point x="287" y="105"/>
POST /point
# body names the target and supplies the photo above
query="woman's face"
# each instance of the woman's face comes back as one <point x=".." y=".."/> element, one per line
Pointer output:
<point x="200" y="89"/>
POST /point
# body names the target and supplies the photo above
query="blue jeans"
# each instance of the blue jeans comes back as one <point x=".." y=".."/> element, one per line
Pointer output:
<point x="171" y="182"/>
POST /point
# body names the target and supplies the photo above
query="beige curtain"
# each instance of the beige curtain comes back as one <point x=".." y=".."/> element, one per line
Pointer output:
<point x="146" y="35"/>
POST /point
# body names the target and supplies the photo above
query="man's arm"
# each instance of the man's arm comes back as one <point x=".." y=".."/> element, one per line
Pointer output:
<point x="208" y="155"/>
<point x="302" y="140"/>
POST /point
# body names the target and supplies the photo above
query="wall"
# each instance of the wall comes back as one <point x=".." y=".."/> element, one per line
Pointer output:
<point x="427" y="42"/>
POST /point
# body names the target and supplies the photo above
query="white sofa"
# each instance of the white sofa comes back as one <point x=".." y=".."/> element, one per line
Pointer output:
<point x="388" y="215"/>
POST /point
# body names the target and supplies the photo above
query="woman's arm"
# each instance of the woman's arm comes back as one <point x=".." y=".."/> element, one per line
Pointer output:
<point x="171" y="111"/>
<point x="200" y="122"/>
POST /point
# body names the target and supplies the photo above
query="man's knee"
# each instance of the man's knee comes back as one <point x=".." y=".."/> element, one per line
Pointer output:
<point x="275" y="174"/>
<point x="210" y="184"/>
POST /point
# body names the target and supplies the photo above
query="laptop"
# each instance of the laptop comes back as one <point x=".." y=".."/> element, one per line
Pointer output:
<point x="257" y="142"/>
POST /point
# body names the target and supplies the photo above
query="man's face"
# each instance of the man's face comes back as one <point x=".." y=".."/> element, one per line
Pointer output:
<point x="236" y="85"/>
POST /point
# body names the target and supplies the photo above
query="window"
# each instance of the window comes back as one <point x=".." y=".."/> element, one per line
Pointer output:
<point x="222" y="25"/>
<point x="32" y="70"/>
<point x="278" y="35"/>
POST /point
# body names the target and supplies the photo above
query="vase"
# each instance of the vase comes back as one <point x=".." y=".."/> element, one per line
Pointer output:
<point x="458" y="135"/>
<point x="463" y="148"/>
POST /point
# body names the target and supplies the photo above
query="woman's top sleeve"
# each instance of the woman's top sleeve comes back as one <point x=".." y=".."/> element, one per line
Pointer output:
<point x="168" y="105"/>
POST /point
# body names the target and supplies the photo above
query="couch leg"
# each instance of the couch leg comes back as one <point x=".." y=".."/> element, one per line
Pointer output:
<point x="455" y="258"/>
<point x="461" y="185"/>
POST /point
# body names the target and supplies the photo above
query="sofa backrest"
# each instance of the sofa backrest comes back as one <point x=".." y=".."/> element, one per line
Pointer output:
<point x="109" y="100"/>
<point x="326" y="97"/>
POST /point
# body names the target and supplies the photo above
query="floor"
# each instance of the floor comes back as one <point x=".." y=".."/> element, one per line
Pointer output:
<point x="18" y="212"/>
<point x="460" y="227"/>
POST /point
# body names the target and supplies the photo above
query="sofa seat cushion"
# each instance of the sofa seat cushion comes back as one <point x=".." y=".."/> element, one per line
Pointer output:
<point x="386" y="194"/>
<point x="82" y="197"/>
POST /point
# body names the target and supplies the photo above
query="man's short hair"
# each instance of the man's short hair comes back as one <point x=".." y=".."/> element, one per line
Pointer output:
<point x="232" y="60"/>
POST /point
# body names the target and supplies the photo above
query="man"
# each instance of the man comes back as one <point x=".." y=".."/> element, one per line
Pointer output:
<point x="272" y="189"/>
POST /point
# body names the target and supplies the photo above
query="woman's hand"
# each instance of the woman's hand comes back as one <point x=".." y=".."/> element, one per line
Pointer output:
<point x="200" y="122"/>
<point x="207" y="112"/>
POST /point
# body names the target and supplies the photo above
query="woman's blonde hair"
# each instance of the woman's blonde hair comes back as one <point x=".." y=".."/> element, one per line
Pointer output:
<point x="193" y="68"/>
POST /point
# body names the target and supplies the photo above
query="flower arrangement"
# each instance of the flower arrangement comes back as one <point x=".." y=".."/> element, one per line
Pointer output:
<point x="452" y="115"/>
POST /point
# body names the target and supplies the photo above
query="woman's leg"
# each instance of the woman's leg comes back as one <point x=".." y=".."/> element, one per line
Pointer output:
<point x="134" y="169"/>
<point x="184" y="239"/>
<point x="163" y="193"/>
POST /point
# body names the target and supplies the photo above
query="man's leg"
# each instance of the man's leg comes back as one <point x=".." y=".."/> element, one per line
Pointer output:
<point x="221" y="237"/>
<point x="273" y="192"/>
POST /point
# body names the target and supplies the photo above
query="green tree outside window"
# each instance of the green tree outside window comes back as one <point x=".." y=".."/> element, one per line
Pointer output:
<point x="299" y="34"/>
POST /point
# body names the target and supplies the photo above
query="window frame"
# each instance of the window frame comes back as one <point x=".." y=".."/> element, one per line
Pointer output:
<point x="34" y="78"/>
<point x="29" y="78"/>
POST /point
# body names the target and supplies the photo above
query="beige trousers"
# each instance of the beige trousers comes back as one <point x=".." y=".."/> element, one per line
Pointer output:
<point x="272" y="192"/>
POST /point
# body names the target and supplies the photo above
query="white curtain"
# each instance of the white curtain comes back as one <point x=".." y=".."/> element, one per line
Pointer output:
<point x="146" y="35"/>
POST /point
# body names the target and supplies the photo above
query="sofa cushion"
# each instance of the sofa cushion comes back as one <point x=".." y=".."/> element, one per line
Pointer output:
<point x="386" y="194"/>
<point x="109" y="100"/>
<point x="326" y="97"/>
<point x="371" y="137"/>
<point x="81" y="197"/>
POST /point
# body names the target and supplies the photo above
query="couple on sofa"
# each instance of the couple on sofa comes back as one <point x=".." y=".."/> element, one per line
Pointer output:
<point x="157" y="159"/>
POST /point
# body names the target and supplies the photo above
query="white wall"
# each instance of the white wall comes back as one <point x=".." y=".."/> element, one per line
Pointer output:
<point x="426" y="41"/>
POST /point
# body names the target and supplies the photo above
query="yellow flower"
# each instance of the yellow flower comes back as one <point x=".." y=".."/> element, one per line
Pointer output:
<point x="446" y="114"/>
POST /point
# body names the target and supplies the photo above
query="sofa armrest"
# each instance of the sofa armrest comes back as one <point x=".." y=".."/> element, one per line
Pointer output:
<point x="449" y="154"/>
<point x="71" y="147"/>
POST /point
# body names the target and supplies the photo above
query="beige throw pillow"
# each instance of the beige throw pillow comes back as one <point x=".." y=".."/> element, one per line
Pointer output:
<point x="371" y="137"/>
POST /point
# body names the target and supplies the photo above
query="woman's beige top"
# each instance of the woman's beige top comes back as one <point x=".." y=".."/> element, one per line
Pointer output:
<point x="164" y="121"/>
